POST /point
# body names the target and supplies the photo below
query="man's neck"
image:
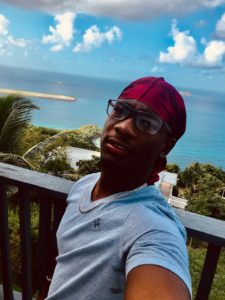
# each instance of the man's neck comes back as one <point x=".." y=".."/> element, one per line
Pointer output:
<point x="109" y="184"/>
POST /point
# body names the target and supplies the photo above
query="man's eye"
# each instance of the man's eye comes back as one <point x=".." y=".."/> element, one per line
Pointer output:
<point x="145" y="123"/>
<point x="118" y="109"/>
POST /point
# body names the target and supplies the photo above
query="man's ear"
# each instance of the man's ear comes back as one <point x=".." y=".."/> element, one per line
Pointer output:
<point x="168" y="145"/>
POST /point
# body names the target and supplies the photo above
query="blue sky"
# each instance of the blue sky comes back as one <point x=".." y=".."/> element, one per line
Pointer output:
<point x="183" y="41"/>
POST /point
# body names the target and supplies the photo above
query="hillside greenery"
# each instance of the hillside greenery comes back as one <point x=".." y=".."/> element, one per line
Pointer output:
<point x="81" y="137"/>
<point x="202" y="185"/>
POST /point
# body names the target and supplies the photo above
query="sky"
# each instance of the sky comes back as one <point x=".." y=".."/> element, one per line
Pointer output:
<point x="182" y="41"/>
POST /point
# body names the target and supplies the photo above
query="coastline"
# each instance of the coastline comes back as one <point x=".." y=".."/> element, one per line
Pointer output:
<point x="185" y="93"/>
<point x="37" y="95"/>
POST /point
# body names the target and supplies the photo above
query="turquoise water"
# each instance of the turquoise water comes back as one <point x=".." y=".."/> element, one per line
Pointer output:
<point x="204" y="140"/>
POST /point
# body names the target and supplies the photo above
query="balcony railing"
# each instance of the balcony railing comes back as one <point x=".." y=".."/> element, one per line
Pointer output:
<point x="52" y="193"/>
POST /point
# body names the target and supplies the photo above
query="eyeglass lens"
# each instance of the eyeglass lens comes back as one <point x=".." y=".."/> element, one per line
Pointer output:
<point x="143" y="121"/>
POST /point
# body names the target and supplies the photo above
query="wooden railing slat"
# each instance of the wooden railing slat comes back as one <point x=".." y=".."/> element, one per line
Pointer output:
<point x="4" y="245"/>
<point x="208" y="272"/>
<point x="25" y="229"/>
<point x="58" y="210"/>
<point x="44" y="240"/>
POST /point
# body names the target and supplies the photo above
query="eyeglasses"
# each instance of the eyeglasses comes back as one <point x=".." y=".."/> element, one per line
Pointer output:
<point x="145" y="121"/>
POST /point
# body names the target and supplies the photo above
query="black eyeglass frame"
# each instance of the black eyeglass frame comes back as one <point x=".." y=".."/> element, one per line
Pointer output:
<point x="133" y="113"/>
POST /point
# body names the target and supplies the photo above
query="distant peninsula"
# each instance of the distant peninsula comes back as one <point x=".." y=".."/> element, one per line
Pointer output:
<point x="37" y="95"/>
<point x="185" y="93"/>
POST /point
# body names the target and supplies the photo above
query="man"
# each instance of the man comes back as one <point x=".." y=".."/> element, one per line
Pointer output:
<point x="119" y="238"/>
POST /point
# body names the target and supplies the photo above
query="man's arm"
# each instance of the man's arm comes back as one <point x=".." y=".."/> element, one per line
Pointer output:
<point x="154" y="283"/>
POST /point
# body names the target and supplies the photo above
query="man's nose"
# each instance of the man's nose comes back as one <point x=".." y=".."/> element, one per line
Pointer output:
<point x="126" y="127"/>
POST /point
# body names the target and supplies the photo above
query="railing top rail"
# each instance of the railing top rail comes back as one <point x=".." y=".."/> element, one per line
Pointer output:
<point x="201" y="227"/>
<point x="14" y="175"/>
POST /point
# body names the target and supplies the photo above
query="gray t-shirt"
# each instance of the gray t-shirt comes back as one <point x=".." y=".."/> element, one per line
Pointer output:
<point x="100" y="242"/>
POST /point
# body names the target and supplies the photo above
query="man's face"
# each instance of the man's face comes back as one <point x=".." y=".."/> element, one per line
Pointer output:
<point x="126" y="147"/>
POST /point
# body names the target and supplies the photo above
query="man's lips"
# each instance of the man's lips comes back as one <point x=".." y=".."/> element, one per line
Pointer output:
<point x="117" y="146"/>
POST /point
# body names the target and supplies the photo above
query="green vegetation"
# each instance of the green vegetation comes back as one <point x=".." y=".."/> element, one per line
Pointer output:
<point x="15" y="112"/>
<point x="47" y="149"/>
<point x="15" y="246"/>
<point x="40" y="148"/>
<point x="202" y="185"/>
<point x="33" y="135"/>
<point x="55" y="163"/>
<point x="173" y="168"/>
<point x="90" y="131"/>
<point x="89" y="166"/>
<point x="37" y="139"/>
<point x="33" y="147"/>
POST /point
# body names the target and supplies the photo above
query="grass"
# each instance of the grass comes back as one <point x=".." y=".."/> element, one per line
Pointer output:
<point x="197" y="256"/>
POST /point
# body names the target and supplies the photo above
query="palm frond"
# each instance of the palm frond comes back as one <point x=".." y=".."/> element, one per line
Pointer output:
<point x="15" y="112"/>
<point x="18" y="160"/>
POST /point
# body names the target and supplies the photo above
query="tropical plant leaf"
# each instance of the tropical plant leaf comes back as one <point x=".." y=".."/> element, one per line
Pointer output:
<point x="18" y="160"/>
<point x="15" y="112"/>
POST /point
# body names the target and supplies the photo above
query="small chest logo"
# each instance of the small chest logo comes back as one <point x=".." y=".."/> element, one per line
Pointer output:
<point x="97" y="223"/>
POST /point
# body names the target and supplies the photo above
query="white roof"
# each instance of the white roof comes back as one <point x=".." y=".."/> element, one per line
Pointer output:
<point x="167" y="177"/>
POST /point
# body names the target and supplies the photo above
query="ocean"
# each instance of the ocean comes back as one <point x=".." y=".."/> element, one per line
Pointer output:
<point x="204" y="140"/>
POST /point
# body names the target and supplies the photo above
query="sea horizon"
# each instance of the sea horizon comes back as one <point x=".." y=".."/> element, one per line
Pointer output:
<point x="203" y="142"/>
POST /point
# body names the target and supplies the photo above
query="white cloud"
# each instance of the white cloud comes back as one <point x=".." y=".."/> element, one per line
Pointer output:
<point x="7" y="41"/>
<point x="220" y="27"/>
<point x="94" y="38"/>
<point x="3" y="25"/>
<point x="19" y="42"/>
<point x="204" y="41"/>
<point x="213" y="54"/>
<point x="62" y="34"/>
<point x="56" y="48"/>
<point x="2" y="49"/>
<point x="201" y="23"/>
<point x="155" y="69"/>
<point x="123" y="9"/>
<point x="211" y="3"/>
<point x="183" y="50"/>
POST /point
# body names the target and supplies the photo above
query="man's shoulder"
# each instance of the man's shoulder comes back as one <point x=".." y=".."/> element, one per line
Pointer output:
<point x="152" y="212"/>
<point x="85" y="180"/>
<point x="150" y="199"/>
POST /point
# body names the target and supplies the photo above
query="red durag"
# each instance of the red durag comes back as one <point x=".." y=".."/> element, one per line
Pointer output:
<point x="166" y="102"/>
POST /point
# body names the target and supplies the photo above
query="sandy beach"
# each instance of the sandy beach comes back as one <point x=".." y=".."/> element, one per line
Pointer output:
<point x="37" y="95"/>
